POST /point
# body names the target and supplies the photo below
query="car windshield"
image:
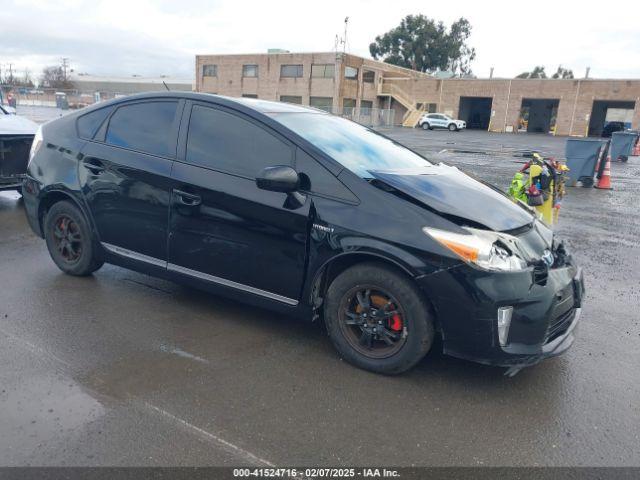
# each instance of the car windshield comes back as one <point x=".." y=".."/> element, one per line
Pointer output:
<point x="357" y="148"/>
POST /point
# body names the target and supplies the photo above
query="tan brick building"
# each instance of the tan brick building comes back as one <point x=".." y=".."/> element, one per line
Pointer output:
<point x="341" y="81"/>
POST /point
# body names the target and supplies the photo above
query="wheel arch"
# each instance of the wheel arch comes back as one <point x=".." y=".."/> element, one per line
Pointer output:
<point x="50" y="198"/>
<point x="337" y="264"/>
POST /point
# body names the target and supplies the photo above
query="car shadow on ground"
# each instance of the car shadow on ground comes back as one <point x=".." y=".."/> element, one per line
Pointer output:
<point x="435" y="367"/>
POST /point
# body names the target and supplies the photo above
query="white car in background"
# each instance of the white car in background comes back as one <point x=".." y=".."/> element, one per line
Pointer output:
<point x="430" y="121"/>
<point x="16" y="135"/>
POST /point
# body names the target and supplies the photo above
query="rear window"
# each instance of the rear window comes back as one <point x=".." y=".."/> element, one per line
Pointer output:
<point x="146" y="127"/>
<point x="89" y="124"/>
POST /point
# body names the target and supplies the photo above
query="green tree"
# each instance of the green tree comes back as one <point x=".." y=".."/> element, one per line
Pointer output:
<point x="423" y="44"/>
<point x="563" y="73"/>
<point x="55" y="77"/>
<point x="537" y="72"/>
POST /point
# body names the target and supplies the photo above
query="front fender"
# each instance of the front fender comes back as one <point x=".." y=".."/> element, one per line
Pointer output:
<point x="327" y="248"/>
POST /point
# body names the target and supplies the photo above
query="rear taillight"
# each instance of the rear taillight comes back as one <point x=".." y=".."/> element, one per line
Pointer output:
<point x="36" y="144"/>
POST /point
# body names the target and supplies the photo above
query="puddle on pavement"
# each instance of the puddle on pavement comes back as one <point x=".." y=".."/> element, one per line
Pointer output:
<point x="141" y="374"/>
<point x="39" y="408"/>
<point x="182" y="353"/>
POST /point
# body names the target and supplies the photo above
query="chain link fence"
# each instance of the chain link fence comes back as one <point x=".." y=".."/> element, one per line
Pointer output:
<point x="370" y="117"/>
<point x="42" y="105"/>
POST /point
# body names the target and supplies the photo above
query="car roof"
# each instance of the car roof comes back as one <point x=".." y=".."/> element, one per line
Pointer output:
<point x="258" y="105"/>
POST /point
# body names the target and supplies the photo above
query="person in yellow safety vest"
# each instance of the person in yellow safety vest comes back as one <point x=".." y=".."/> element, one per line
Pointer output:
<point x="544" y="187"/>
<point x="517" y="189"/>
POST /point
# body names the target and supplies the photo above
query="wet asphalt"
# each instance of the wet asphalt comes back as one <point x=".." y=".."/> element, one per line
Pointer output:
<point x="124" y="369"/>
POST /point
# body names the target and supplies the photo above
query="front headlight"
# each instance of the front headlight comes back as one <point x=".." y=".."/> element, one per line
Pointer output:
<point x="484" y="249"/>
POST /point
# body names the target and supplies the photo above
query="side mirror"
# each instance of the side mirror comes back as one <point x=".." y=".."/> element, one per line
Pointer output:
<point x="278" y="179"/>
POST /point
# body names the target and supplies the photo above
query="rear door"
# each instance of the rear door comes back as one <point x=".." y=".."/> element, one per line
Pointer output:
<point x="225" y="230"/>
<point x="125" y="175"/>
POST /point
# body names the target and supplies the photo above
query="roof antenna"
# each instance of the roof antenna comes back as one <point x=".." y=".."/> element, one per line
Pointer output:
<point x="165" y="86"/>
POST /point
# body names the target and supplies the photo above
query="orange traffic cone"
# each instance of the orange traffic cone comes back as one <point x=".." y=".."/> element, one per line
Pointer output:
<point x="605" y="181"/>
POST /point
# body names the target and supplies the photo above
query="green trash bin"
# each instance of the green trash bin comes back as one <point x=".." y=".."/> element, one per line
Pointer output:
<point x="582" y="156"/>
<point x="622" y="144"/>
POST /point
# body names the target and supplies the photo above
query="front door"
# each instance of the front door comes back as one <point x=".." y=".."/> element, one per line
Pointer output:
<point x="439" y="121"/>
<point x="125" y="175"/>
<point x="225" y="230"/>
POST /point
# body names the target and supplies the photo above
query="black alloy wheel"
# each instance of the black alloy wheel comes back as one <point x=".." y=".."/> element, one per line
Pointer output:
<point x="69" y="240"/>
<point x="378" y="319"/>
<point x="371" y="321"/>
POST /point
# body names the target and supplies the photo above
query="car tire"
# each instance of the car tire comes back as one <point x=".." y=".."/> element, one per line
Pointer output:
<point x="70" y="241"/>
<point x="426" y="126"/>
<point x="452" y="127"/>
<point x="414" y="332"/>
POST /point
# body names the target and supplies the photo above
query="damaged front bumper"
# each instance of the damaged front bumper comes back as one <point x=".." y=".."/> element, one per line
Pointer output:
<point x="14" y="156"/>
<point x="14" y="182"/>
<point x="544" y="313"/>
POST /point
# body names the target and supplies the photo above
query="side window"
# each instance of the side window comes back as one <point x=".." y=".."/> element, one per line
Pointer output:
<point x="227" y="142"/>
<point x="89" y="123"/>
<point x="144" y="126"/>
<point x="321" y="180"/>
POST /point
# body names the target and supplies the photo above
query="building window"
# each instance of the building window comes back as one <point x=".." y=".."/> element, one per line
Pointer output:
<point x="209" y="70"/>
<point x="290" y="71"/>
<point x="249" y="95"/>
<point x="291" y="99"/>
<point x="368" y="76"/>
<point x="250" y="70"/>
<point x="323" y="103"/>
<point x="349" y="103"/>
<point x="366" y="104"/>
<point x="321" y="70"/>
<point x="350" y="73"/>
<point x="428" y="107"/>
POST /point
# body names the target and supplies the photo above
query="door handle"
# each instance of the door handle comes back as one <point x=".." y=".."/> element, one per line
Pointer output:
<point x="188" y="199"/>
<point x="95" y="168"/>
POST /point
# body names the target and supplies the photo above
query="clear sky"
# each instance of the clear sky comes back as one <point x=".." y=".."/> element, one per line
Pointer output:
<point x="154" y="37"/>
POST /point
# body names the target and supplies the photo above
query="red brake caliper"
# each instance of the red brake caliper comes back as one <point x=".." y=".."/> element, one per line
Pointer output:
<point x="395" y="322"/>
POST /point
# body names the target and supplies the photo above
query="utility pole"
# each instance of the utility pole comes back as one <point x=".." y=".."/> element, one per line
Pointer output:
<point x="65" y="65"/>
<point x="10" y="77"/>
<point x="344" y="41"/>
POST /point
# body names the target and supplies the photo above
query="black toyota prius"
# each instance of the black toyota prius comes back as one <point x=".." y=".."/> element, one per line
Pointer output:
<point x="307" y="214"/>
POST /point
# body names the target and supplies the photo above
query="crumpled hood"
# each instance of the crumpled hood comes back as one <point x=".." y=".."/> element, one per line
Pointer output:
<point x="449" y="191"/>
<point x="16" y="125"/>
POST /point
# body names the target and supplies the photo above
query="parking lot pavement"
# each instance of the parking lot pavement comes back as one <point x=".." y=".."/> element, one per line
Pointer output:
<point x="123" y="369"/>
